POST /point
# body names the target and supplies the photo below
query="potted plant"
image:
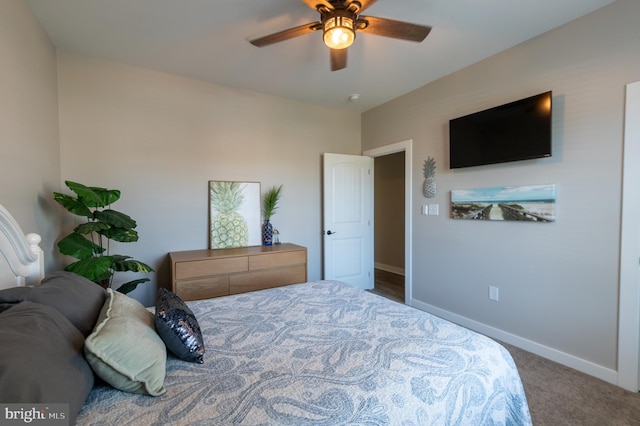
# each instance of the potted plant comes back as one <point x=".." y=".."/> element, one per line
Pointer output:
<point x="269" y="207"/>
<point x="89" y="242"/>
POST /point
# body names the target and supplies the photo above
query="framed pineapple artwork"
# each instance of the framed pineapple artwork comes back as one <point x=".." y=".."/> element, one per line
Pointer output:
<point x="234" y="214"/>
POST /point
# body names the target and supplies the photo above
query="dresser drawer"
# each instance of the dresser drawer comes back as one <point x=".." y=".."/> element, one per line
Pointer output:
<point x="201" y="268"/>
<point x="251" y="281"/>
<point x="204" y="288"/>
<point x="272" y="260"/>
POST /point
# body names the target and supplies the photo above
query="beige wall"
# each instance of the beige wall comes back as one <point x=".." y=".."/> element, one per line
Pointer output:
<point x="389" y="212"/>
<point x="558" y="282"/>
<point x="160" y="138"/>
<point x="29" y="149"/>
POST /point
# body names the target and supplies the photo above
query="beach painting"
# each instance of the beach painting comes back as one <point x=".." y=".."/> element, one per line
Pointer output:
<point x="531" y="203"/>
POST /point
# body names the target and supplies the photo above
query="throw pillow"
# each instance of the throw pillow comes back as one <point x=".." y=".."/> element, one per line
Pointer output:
<point x="124" y="349"/>
<point x="41" y="358"/>
<point x="178" y="327"/>
<point x="77" y="298"/>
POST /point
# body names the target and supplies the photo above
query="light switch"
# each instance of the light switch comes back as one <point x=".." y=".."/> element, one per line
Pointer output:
<point x="433" y="209"/>
<point x="425" y="210"/>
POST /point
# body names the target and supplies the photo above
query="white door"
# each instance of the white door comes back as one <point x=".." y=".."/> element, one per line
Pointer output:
<point x="348" y="219"/>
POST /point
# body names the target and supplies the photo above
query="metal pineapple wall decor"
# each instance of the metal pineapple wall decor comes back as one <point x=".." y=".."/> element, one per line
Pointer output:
<point x="429" y="185"/>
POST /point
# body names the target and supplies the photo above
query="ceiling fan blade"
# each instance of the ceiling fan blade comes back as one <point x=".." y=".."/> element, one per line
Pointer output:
<point x="315" y="4"/>
<point x="390" y="28"/>
<point x="338" y="59"/>
<point x="286" y="34"/>
<point x="361" y="5"/>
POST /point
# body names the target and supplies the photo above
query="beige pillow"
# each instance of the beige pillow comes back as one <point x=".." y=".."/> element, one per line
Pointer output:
<point x="124" y="349"/>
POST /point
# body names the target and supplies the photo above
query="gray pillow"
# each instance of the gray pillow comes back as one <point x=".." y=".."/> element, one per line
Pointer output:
<point x="5" y="306"/>
<point x="41" y="358"/>
<point x="178" y="327"/>
<point x="77" y="298"/>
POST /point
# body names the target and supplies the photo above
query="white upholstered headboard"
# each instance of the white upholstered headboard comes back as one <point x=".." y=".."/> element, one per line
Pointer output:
<point x="22" y="259"/>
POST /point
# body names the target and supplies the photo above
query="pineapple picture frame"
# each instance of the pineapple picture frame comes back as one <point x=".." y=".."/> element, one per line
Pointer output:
<point x="234" y="214"/>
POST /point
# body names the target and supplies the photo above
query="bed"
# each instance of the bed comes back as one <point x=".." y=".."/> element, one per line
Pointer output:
<point x="314" y="353"/>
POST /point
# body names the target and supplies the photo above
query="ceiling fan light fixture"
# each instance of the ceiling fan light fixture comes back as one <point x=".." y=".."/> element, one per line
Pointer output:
<point x="338" y="31"/>
<point x="340" y="20"/>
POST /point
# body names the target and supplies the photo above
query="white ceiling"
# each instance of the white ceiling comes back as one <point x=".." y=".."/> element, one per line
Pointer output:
<point x="207" y="40"/>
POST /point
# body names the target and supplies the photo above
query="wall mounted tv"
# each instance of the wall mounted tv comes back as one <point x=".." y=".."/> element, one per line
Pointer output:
<point x="519" y="130"/>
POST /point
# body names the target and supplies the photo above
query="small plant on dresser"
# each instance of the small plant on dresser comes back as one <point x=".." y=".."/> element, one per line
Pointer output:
<point x="269" y="207"/>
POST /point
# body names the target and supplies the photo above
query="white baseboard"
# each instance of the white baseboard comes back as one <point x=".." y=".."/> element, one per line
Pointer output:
<point x="389" y="268"/>
<point x="555" y="355"/>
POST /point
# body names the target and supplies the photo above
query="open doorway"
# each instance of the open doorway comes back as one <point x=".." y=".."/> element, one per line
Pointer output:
<point x="389" y="200"/>
<point x="399" y="211"/>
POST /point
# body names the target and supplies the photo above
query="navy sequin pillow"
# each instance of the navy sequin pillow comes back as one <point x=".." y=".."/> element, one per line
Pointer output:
<point x="178" y="328"/>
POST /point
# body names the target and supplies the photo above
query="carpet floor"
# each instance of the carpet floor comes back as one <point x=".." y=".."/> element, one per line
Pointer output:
<point x="559" y="395"/>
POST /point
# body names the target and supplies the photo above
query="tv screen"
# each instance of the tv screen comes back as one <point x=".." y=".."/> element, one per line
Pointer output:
<point x="519" y="130"/>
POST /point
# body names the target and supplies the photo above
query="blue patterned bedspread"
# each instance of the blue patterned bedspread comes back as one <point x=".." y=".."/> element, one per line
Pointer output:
<point x="324" y="353"/>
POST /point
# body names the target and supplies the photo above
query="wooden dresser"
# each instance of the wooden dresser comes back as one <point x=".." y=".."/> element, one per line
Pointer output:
<point x="200" y="274"/>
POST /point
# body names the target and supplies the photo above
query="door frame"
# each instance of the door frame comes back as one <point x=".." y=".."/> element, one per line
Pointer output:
<point x="629" y="297"/>
<point x="407" y="148"/>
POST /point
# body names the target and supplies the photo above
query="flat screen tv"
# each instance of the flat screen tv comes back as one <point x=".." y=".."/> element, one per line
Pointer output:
<point x="519" y="130"/>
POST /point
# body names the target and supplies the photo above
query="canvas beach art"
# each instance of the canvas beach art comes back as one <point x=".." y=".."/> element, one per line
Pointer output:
<point x="531" y="203"/>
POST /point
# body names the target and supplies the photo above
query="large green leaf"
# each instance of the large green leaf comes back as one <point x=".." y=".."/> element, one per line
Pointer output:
<point x="120" y="235"/>
<point x="75" y="245"/>
<point x="95" y="269"/>
<point x="126" y="263"/>
<point x="72" y="204"/>
<point x="131" y="285"/>
<point x="89" y="227"/>
<point x="115" y="219"/>
<point x="93" y="196"/>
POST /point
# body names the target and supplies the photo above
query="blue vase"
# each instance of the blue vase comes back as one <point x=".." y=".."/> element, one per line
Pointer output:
<point x="267" y="233"/>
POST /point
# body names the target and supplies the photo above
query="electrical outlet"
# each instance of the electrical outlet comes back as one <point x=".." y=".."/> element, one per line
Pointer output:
<point x="494" y="293"/>
<point x="433" y="209"/>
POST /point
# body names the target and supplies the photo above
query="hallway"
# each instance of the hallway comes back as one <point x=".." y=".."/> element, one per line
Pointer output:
<point x="389" y="285"/>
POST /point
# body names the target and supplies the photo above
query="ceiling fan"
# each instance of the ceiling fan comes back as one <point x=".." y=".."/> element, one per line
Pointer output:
<point x="339" y="22"/>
